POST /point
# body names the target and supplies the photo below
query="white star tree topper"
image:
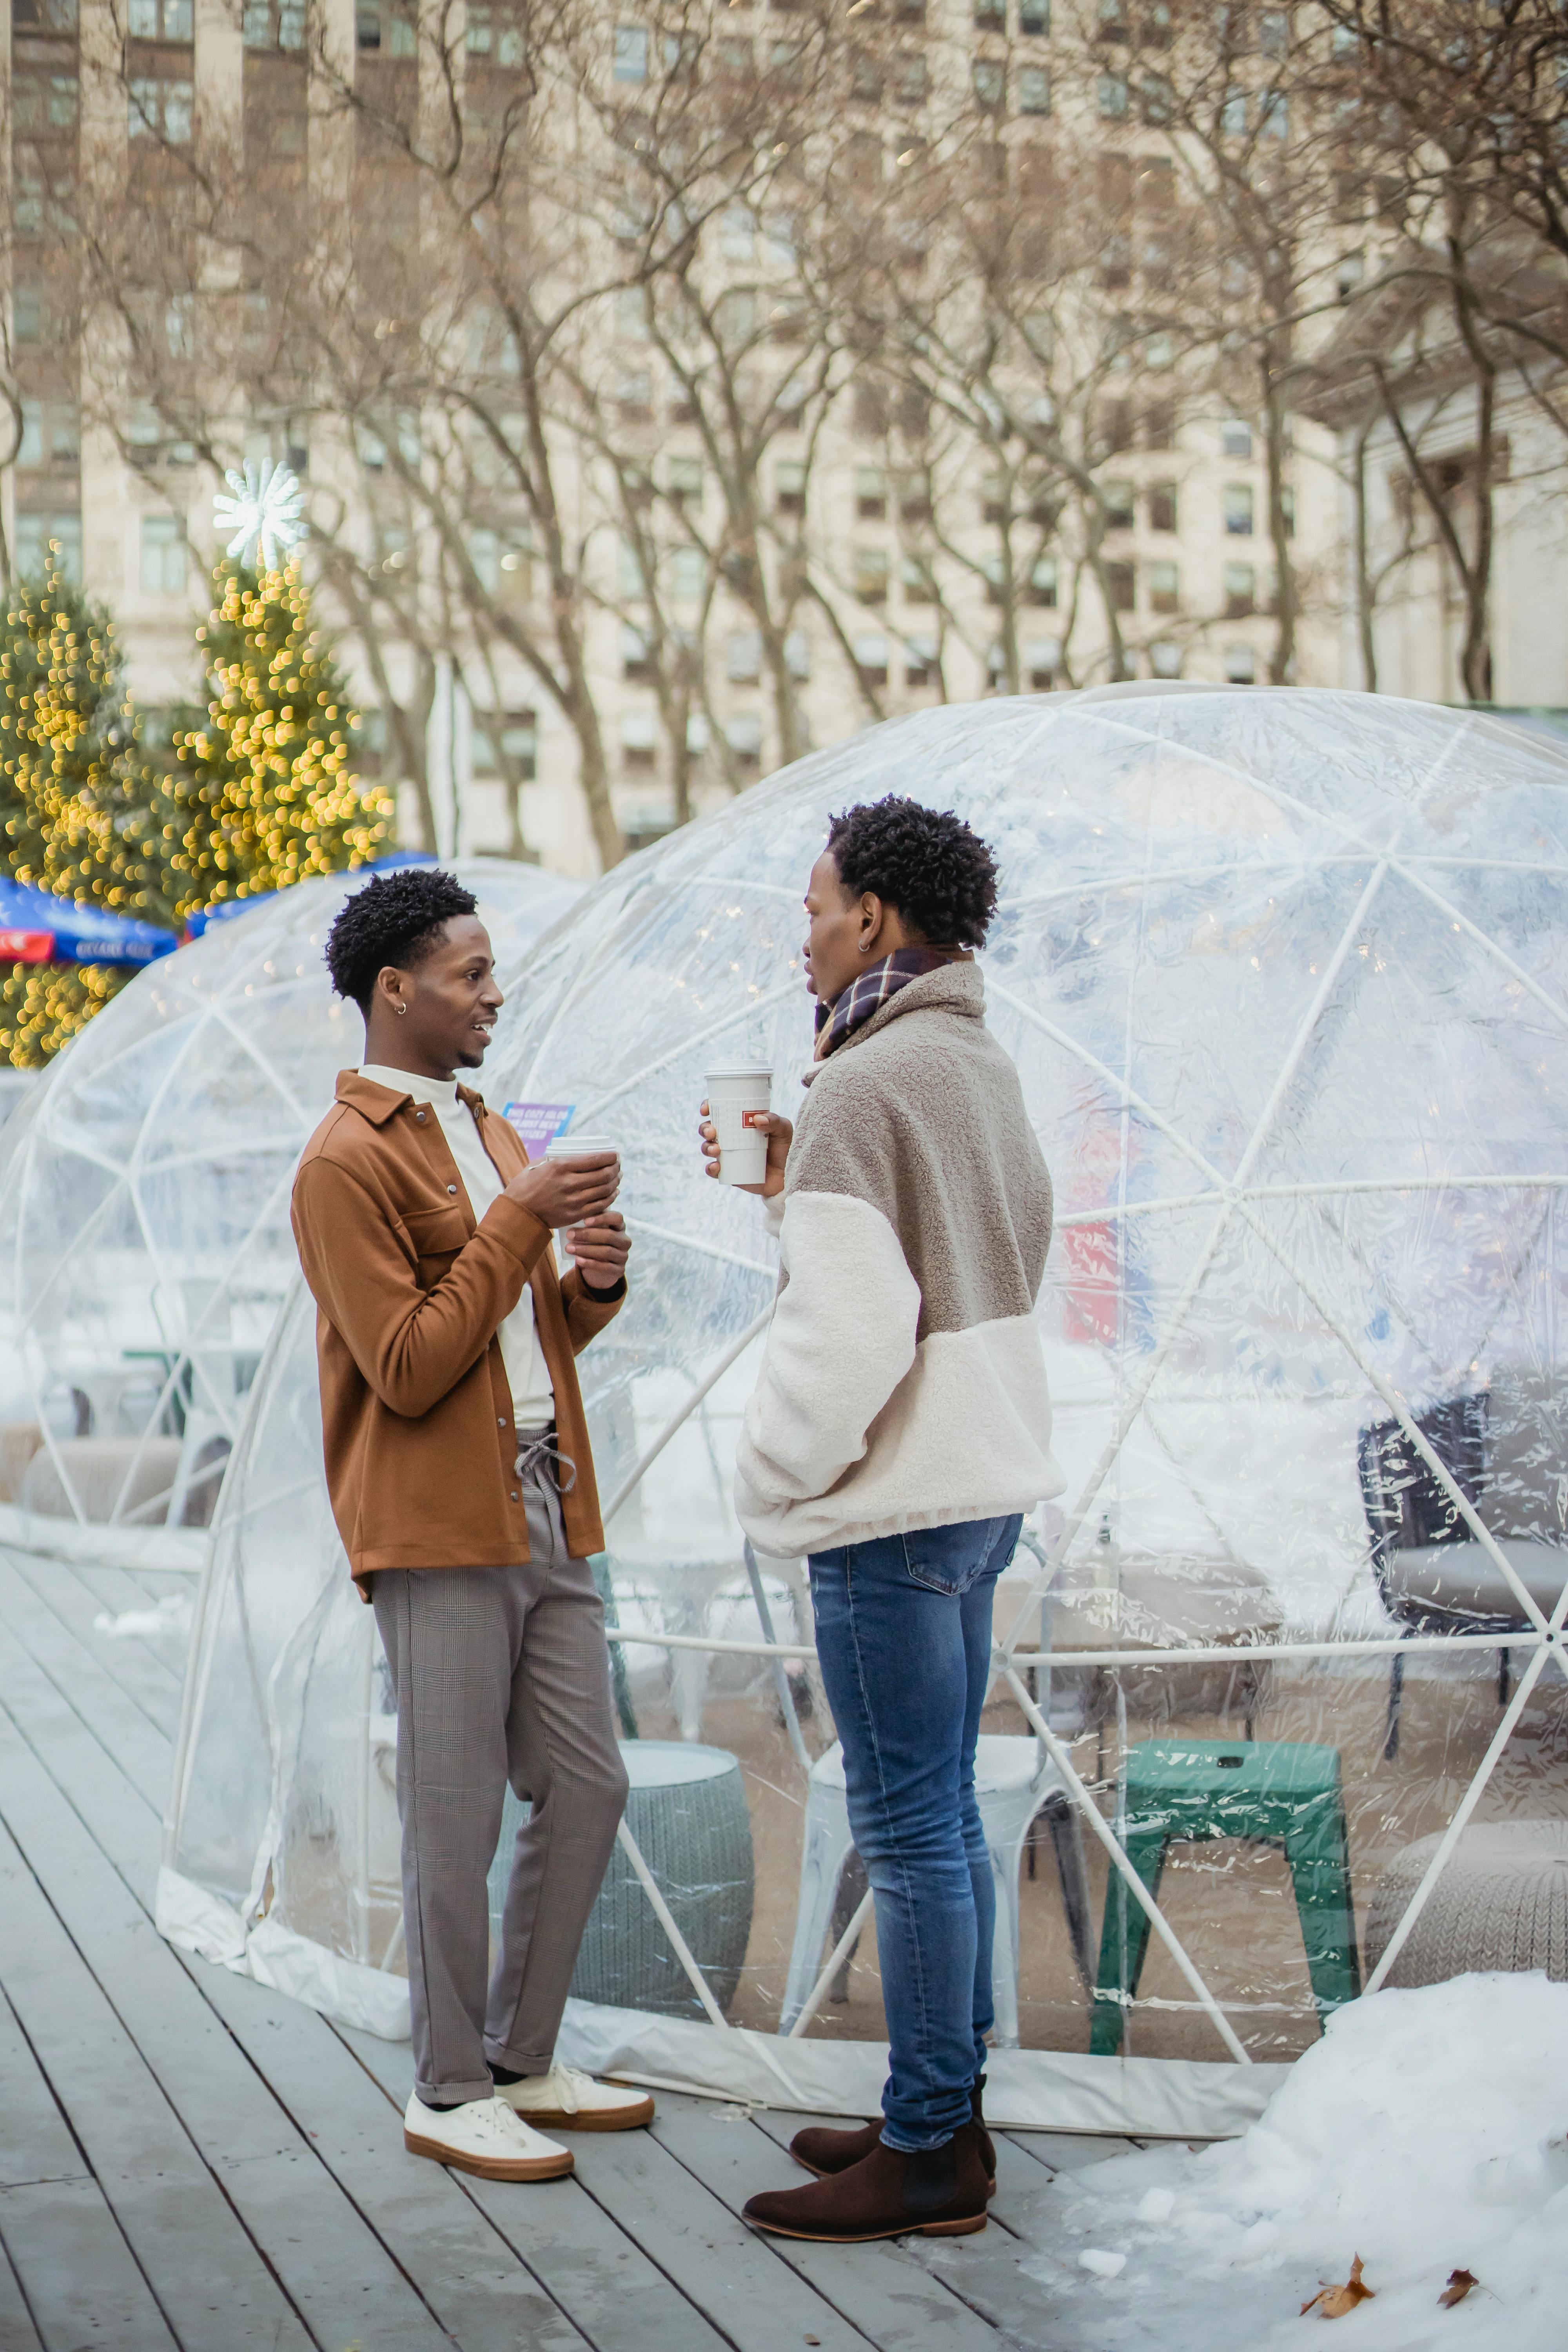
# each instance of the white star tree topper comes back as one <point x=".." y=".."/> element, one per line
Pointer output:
<point x="267" y="512"/>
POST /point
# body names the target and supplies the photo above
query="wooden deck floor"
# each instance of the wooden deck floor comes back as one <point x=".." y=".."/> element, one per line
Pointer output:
<point x="189" y="2160"/>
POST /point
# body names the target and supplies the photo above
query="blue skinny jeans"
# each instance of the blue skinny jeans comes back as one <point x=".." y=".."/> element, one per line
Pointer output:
<point x="903" y="1634"/>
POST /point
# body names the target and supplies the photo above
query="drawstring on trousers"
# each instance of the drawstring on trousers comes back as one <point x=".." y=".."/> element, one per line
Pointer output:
<point x="535" y="1447"/>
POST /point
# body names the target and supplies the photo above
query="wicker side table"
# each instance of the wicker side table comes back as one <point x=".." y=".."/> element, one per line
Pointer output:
<point x="1501" y="1903"/>
<point x="688" y="1812"/>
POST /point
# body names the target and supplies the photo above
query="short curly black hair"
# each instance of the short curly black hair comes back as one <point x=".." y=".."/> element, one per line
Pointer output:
<point x="925" y="862"/>
<point x="396" y="919"/>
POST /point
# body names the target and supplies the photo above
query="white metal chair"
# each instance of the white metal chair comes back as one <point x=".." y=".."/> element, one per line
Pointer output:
<point x="1014" y="1782"/>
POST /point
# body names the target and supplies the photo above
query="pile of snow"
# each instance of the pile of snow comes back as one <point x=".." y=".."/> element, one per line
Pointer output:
<point x="1427" y="2133"/>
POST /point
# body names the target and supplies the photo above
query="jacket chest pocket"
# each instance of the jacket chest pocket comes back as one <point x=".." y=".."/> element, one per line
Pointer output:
<point x="438" y="1234"/>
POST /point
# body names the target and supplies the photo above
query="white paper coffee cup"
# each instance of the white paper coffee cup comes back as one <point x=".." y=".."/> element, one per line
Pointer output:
<point x="577" y="1147"/>
<point x="735" y="1093"/>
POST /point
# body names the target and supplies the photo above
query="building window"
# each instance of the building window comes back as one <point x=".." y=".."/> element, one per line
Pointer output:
<point x="159" y="20"/>
<point x="743" y="657"/>
<point x="990" y="16"/>
<point x="1240" y="666"/>
<point x="1157" y="26"/>
<point x="635" y="663"/>
<point x="630" y="53"/>
<point x="1164" y="588"/>
<point x="743" y="733"/>
<point x="1119" y="506"/>
<point x="639" y="741"/>
<point x="1122" y="586"/>
<point x="1163" y="507"/>
<point x="871" y="659"/>
<point x="1034" y="90"/>
<point x="1113" y="97"/>
<point x="39" y="535"/>
<point x="1033" y="16"/>
<point x="870" y="493"/>
<point x="919" y="583"/>
<point x="1236" y="437"/>
<point x="1042" y="660"/>
<point x="1240" y="591"/>
<point x="686" y="482"/>
<point x="1043" y="583"/>
<point x="1274" y="33"/>
<point x="511" y="748"/>
<point x="1238" y="509"/>
<point x="738" y="234"/>
<point x="162" y="556"/>
<point x="161" y="109"/>
<point x="1287" y="510"/>
<point x="990" y="85"/>
<point x="871" y="575"/>
<point x="789" y="486"/>
<point x="688" y="574"/>
<point x="797" y="654"/>
<point x="910" y="81"/>
<point x="920" y="661"/>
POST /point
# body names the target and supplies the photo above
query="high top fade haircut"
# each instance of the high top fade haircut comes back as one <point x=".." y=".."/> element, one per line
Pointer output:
<point x="396" y="919"/>
<point x="925" y="862"/>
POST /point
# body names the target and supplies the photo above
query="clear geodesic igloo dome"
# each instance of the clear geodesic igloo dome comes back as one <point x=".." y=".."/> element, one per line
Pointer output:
<point x="144" y="1238"/>
<point x="1284" y="975"/>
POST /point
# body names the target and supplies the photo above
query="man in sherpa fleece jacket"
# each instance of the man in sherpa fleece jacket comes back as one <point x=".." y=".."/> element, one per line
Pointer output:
<point x="900" y="1428"/>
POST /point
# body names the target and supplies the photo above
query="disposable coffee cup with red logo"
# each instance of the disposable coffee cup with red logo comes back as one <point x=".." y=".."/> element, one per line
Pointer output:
<point x="738" y="1095"/>
<point x="578" y="1147"/>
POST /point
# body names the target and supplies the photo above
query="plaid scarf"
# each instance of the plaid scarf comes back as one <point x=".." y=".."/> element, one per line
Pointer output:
<point x="867" y="992"/>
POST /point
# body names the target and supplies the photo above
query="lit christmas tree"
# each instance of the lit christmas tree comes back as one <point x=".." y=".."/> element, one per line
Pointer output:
<point x="264" y="794"/>
<point x="81" y="810"/>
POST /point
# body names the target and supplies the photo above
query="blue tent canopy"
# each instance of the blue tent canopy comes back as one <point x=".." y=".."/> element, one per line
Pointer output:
<point x="226" y="907"/>
<point x="37" y="927"/>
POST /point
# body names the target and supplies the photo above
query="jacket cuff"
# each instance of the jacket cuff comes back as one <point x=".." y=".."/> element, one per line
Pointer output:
<point x="585" y="1314"/>
<point x="518" y="1230"/>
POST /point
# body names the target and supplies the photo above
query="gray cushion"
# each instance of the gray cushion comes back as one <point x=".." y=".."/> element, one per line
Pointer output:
<point x="1500" y="1903"/>
<point x="1458" y="1582"/>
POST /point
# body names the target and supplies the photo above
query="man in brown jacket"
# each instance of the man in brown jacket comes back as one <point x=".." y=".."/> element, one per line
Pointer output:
<point x="462" y="1483"/>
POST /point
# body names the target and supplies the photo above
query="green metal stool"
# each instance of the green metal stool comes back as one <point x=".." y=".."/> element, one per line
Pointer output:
<point x="1274" y="1792"/>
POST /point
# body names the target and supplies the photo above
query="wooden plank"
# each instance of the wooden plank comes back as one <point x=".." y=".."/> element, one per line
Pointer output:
<point x="17" y="2332"/>
<point x="64" y="2246"/>
<point x="131" y="1660"/>
<point x="332" y="2266"/>
<point x="367" y="2258"/>
<point x="193" y="2252"/>
<point x="879" y="2289"/>
<point x="124" y="1730"/>
<point x="620" y="2298"/>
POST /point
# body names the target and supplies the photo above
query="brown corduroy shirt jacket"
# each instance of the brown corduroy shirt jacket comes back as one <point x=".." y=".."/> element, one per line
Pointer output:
<point x="416" y="1419"/>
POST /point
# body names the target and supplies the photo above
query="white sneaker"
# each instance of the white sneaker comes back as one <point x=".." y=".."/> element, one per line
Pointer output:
<point x="570" y="2100"/>
<point x="482" y="2136"/>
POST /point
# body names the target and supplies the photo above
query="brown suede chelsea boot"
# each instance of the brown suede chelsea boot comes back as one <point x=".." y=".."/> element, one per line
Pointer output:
<point x="821" y="2150"/>
<point x="939" y="2193"/>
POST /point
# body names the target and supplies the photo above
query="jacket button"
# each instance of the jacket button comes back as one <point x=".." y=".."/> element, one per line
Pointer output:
<point x="451" y="1188"/>
<point x="514" y="1493"/>
<point x="500" y="1420"/>
<point x="420" y="1116"/>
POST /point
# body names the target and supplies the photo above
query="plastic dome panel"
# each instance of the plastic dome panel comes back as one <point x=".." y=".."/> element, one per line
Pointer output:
<point x="1285" y="976"/>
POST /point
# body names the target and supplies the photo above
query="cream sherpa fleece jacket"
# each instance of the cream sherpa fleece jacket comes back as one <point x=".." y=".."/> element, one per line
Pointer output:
<point x="902" y="1383"/>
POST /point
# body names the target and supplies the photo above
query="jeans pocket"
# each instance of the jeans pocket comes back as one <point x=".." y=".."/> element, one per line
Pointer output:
<point x="947" y="1559"/>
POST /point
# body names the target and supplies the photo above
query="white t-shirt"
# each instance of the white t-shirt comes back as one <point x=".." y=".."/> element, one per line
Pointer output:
<point x="532" y="1397"/>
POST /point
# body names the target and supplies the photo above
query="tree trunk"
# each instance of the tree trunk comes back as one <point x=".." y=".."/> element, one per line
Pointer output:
<point x="1364" y="603"/>
<point x="1282" y="661"/>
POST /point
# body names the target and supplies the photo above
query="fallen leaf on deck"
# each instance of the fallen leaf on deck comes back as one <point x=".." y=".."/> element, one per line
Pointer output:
<point x="1458" y="2286"/>
<point x="1333" y="2302"/>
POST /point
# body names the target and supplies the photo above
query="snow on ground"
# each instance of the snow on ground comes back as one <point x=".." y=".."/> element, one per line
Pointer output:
<point x="1427" y="2133"/>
